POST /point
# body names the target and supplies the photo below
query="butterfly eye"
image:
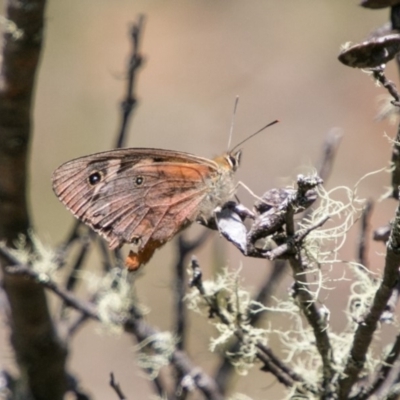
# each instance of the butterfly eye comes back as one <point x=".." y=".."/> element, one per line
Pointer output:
<point x="94" y="178"/>
<point x="139" y="180"/>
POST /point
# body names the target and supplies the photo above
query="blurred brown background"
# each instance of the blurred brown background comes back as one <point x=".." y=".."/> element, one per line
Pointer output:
<point x="279" y="57"/>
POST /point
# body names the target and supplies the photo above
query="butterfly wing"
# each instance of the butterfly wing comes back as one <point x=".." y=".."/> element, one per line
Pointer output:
<point x="142" y="196"/>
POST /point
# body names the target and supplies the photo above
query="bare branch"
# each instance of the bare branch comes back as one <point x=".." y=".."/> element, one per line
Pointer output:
<point x="271" y="363"/>
<point x="330" y="148"/>
<point x="116" y="387"/>
<point x="364" y="232"/>
<point x="135" y="62"/>
<point x="364" y="333"/>
<point x="383" y="372"/>
<point x="38" y="351"/>
<point x="225" y="369"/>
<point x="134" y="325"/>
<point x="306" y="300"/>
<point x="185" y="247"/>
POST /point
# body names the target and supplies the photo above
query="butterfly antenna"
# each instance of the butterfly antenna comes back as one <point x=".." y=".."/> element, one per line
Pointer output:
<point x="254" y="134"/>
<point x="233" y="122"/>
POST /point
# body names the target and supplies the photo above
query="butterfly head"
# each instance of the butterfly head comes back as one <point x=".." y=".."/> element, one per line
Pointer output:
<point x="233" y="159"/>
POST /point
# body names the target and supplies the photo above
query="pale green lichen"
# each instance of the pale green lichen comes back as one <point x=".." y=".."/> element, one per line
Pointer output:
<point x="33" y="252"/>
<point x="233" y="303"/>
<point x="321" y="253"/>
<point x="155" y="352"/>
<point x="11" y="28"/>
<point x="115" y="295"/>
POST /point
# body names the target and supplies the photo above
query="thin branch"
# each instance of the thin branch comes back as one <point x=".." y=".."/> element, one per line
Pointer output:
<point x="127" y="106"/>
<point x="395" y="26"/>
<point x="135" y="62"/>
<point x="379" y="75"/>
<point x="364" y="232"/>
<point x="290" y="245"/>
<point x="392" y="392"/>
<point x="396" y="165"/>
<point x="365" y="331"/>
<point x="225" y="369"/>
<point x="134" y="325"/>
<point x="86" y="308"/>
<point x="185" y="248"/>
<point x="307" y="304"/>
<point x="330" y="148"/>
<point x="271" y="363"/>
<point x="116" y="387"/>
<point x="383" y="372"/>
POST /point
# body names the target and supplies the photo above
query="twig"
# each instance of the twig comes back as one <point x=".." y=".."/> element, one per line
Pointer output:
<point x="127" y="106"/>
<point x="330" y="148"/>
<point x="393" y="391"/>
<point x="77" y="324"/>
<point x="395" y="26"/>
<point x="105" y="252"/>
<point x="264" y="354"/>
<point x="290" y="245"/>
<point x="396" y="165"/>
<point x="364" y="231"/>
<point x="225" y="369"/>
<point x="383" y="372"/>
<point x="135" y="62"/>
<point x="379" y="75"/>
<point x="364" y="333"/>
<point x="307" y="304"/>
<point x="185" y="247"/>
<point x="72" y="278"/>
<point x="73" y="386"/>
<point x="134" y="325"/>
<point x="69" y="299"/>
<point x="116" y="387"/>
<point x="62" y="250"/>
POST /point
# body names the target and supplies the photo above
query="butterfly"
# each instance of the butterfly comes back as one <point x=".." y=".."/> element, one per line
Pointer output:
<point x="144" y="196"/>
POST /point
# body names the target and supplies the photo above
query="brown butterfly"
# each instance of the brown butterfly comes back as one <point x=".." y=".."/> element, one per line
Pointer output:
<point x="144" y="196"/>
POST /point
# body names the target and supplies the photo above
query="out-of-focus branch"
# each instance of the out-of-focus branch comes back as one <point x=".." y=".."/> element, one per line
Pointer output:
<point x="330" y="148"/>
<point x="185" y="248"/>
<point x="134" y="325"/>
<point x="128" y="104"/>
<point x="116" y="387"/>
<point x="363" y="238"/>
<point x="135" y="62"/>
<point x="39" y="354"/>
